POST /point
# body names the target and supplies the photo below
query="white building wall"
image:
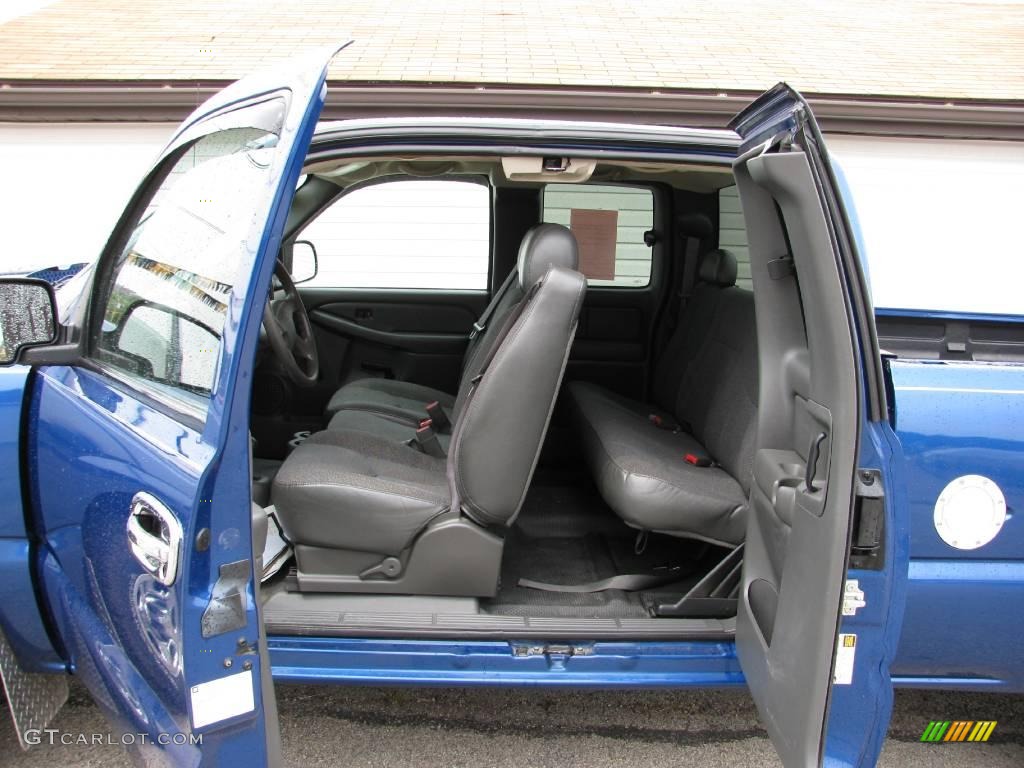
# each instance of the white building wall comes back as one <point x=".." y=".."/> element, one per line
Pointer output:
<point x="63" y="187"/>
<point x="938" y="218"/>
<point x="937" y="221"/>
<point x="732" y="234"/>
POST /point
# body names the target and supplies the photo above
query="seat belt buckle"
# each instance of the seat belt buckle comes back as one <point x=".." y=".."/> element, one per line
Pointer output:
<point x="477" y="330"/>
<point x="437" y="416"/>
<point x="698" y="461"/>
<point x="427" y="442"/>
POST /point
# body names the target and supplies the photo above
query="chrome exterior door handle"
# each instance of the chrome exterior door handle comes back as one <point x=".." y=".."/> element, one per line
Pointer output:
<point x="154" y="534"/>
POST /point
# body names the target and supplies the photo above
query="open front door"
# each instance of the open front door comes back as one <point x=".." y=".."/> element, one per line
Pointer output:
<point x="138" y="445"/>
<point x="823" y="479"/>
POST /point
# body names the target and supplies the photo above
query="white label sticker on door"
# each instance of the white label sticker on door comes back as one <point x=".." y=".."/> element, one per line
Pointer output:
<point x="221" y="699"/>
<point x="846" y="650"/>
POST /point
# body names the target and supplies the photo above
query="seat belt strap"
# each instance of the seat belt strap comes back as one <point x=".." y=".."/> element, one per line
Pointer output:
<point x="481" y="323"/>
<point x="511" y="320"/>
<point x="690" y="267"/>
<point x="627" y="582"/>
<point x="681" y="297"/>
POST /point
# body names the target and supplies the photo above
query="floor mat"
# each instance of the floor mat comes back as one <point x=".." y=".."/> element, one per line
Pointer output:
<point x="560" y="561"/>
<point x="566" y="534"/>
<point x="566" y="507"/>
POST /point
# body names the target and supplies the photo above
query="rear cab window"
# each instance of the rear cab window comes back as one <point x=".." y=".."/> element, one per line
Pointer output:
<point x="732" y="234"/>
<point x="609" y="222"/>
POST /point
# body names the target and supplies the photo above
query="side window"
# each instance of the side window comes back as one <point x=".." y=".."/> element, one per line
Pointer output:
<point x="168" y="346"/>
<point x="732" y="234"/>
<point x="405" y="234"/>
<point x="162" y="314"/>
<point x="609" y="222"/>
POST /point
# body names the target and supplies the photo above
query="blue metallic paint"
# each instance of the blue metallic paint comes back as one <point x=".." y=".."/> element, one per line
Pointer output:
<point x="956" y="419"/>
<point x="929" y="314"/>
<point x="483" y="662"/>
<point x="20" y="618"/>
<point x="866" y="707"/>
<point x="12" y="513"/>
<point x="93" y="443"/>
<point x="103" y="442"/>
<point x="93" y="438"/>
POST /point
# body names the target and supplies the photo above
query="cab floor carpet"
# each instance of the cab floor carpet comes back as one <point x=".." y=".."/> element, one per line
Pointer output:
<point x="565" y="534"/>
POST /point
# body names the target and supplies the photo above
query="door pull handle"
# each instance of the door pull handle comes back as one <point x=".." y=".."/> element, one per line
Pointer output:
<point x="154" y="535"/>
<point x="813" y="453"/>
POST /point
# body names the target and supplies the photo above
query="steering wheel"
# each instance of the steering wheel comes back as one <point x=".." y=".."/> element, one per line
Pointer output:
<point x="290" y="333"/>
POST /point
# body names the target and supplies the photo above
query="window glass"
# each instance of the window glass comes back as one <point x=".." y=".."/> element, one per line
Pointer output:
<point x="164" y="310"/>
<point x="938" y="221"/>
<point x="732" y="234"/>
<point x="405" y="234"/>
<point x="609" y="222"/>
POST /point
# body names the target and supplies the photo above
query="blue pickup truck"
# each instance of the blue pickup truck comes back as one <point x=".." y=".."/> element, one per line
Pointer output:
<point x="581" y="433"/>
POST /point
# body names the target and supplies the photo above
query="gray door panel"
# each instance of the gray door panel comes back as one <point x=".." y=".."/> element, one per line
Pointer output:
<point x="415" y="336"/>
<point x="410" y="335"/>
<point x="797" y="536"/>
<point x="613" y="340"/>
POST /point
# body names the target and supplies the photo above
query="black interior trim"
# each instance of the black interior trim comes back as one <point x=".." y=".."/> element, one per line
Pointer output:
<point x="916" y="337"/>
<point x="442" y="343"/>
<point x="514" y="211"/>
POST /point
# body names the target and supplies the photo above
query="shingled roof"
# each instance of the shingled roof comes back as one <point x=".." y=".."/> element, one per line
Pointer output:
<point x="882" y="48"/>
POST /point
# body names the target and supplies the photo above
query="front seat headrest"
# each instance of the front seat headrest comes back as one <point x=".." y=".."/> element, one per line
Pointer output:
<point x="545" y="246"/>
<point x="717" y="267"/>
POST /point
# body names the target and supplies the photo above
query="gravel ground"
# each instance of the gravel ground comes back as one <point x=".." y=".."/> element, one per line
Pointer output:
<point x="394" y="727"/>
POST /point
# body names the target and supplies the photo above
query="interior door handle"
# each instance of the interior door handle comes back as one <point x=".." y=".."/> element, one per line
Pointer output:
<point x="812" y="461"/>
<point x="154" y="534"/>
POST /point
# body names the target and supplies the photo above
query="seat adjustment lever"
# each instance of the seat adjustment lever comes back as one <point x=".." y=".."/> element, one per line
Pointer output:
<point x="390" y="567"/>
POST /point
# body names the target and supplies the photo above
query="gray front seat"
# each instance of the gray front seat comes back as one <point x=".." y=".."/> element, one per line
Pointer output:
<point x="544" y="246"/>
<point x="368" y="514"/>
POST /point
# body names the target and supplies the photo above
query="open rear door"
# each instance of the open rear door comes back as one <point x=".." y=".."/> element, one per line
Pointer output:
<point x="823" y="464"/>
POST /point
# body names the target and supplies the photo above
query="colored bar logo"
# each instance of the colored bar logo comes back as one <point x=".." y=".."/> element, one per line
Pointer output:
<point x="958" y="730"/>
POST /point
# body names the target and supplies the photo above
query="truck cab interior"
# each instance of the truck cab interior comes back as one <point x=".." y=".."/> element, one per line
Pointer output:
<point x="551" y="409"/>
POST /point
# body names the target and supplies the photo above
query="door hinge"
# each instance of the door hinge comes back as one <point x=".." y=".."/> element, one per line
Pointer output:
<point x="866" y="550"/>
<point x="226" y="610"/>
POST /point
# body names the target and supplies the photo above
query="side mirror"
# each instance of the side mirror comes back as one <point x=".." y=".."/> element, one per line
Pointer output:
<point x="28" y="316"/>
<point x="304" y="263"/>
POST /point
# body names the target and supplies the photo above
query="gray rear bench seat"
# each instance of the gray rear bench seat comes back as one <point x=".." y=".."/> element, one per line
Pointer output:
<point x="647" y="458"/>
